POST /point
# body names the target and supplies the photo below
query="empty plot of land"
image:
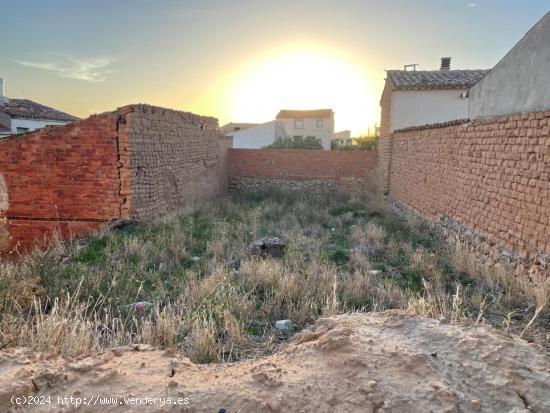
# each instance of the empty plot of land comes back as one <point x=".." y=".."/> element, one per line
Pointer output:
<point x="203" y="284"/>
<point x="190" y="282"/>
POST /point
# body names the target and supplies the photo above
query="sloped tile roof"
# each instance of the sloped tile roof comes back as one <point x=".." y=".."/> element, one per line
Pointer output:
<point x="435" y="79"/>
<point x="27" y="109"/>
<point x="317" y="113"/>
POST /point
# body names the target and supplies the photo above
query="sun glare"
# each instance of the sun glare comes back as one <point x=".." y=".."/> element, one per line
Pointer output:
<point x="303" y="79"/>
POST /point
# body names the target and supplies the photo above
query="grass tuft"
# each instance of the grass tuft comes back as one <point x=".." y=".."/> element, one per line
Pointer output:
<point x="200" y="292"/>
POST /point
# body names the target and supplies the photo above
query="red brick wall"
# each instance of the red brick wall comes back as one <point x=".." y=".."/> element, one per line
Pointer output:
<point x="343" y="167"/>
<point x="385" y="106"/>
<point x="59" y="179"/>
<point x="384" y="161"/>
<point x="134" y="163"/>
<point x="491" y="176"/>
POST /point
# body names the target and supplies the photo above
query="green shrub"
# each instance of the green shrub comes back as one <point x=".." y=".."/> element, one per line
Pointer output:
<point x="362" y="143"/>
<point x="297" y="142"/>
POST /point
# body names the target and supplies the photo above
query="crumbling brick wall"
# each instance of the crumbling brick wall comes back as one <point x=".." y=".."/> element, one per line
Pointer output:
<point x="385" y="148"/>
<point x="4" y="204"/>
<point x="59" y="180"/>
<point x="385" y="106"/>
<point x="489" y="177"/>
<point x="176" y="158"/>
<point x="134" y="163"/>
<point x="345" y="168"/>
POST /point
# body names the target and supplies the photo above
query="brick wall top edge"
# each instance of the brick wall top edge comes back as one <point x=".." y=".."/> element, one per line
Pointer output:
<point x="50" y="129"/>
<point x="433" y="125"/>
<point x="145" y="108"/>
<point x="482" y="121"/>
<point x="312" y="152"/>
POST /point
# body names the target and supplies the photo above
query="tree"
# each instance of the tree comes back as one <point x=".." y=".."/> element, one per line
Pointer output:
<point x="366" y="143"/>
<point x="361" y="143"/>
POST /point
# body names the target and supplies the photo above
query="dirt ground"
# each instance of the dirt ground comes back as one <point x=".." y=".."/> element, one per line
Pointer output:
<point x="374" y="362"/>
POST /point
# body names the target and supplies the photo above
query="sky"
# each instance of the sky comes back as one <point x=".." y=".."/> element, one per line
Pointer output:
<point x="240" y="60"/>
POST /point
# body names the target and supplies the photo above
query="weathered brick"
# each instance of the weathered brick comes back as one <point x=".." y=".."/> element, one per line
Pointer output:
<point x="344" y="168"/>
<point x="137" y="162"/>
<point x="450" y="172"/>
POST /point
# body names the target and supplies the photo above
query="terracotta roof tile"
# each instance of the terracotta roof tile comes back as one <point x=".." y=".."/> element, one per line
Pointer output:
<point x="27" y="109"/>
<point x="436" y="79"/>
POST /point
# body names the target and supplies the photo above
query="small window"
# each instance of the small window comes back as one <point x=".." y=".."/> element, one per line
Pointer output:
<point x="236" y="129"/>
<point x="298" y="124"/>
<point x="319" y="123"/>
<point x="22" y="130"/>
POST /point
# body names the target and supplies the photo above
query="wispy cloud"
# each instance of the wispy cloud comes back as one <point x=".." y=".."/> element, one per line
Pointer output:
<point x="89" y="69"/>
<point x="472" y="4"/>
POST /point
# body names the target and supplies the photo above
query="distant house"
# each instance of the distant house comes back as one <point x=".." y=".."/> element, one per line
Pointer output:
<point x="342" y="137"/>
<point x="259" y="136"/>
<point x="520" y="82"/>
<point x="23" y="115"/>
<point x="416" y="98"/>
<point x="235" y="127"/>
<point x="317" y="123"/>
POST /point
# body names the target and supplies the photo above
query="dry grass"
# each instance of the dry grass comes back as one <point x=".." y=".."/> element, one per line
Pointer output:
<point x="205" y="296"/>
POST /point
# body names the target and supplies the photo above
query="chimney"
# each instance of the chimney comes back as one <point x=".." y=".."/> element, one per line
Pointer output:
<point x="445" y="63"/>
<point x="3" y="97"/>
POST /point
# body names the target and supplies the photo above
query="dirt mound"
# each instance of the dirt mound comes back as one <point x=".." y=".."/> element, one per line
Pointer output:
<point x="380" y="362"/>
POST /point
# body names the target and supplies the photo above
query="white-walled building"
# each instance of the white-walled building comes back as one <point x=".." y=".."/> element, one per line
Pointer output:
<point x="318" y="123"/>
<point x="343" y="137"/>
<point x="520" y="82"/>
<point x="416" y="98"/>
<point x="23" y="115"/>
<point x="259" y="136"/>
<point x="288" y="124"/>
<point x="231" y="127"/>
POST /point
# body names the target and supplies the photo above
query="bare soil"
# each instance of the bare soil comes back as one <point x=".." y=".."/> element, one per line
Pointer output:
<point x="374" y="362"/>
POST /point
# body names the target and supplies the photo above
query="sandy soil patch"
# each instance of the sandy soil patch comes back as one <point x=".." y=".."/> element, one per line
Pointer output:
<point x="376" y="362"/>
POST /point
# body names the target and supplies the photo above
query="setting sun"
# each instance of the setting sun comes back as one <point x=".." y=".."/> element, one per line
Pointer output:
<point x="301" y="78"/>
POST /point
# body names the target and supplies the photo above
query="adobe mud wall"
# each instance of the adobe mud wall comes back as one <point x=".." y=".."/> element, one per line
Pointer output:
<point x="253" y="168"/>
<point x="134" y="163"/>
<point x="486" y="183"/>
<point x="176" y="158"/>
